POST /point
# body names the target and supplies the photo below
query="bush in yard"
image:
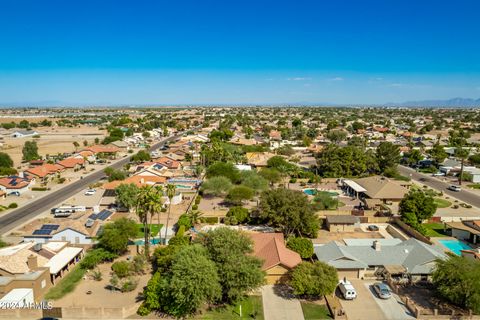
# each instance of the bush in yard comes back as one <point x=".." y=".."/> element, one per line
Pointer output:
<point x="97" y="275"/>
<point x="240" y="193"/>
<point x="184" y="220"/>
<point x="302" y="246"/>
<point x="313" y="279"/>
<point x="13" y="205"/>
<point x="96" y="256"/>
<point x="139" y="263"/>
<point x="129" y="284"/>
<point x="195" y="207"/>
<point x="121" y="268"/>
<point x="240" y="213"/>
<point x="230" y="221"/>
<point x="179" y="241"/>
<point x="180" y="231"/>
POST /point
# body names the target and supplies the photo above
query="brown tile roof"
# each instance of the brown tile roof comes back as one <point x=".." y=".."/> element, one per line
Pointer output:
<point x="71" y="162"/>
<point x="136" y="180"/>
<point x="270" y="247"/>
<point x="381" y="188"/>
<point x="276" y="135"/>
<point x="168" y="162"/>
<point x="44" y="170"/>
<point x="14" y="182"/>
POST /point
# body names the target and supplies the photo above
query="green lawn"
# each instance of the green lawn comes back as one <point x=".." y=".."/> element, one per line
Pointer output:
<point x="153" y="230"/>
<point x="252" y="308"/>
<point x="313" y="311"/>
<point x="474" y="186"/>
<point x="434" y="229"/>
<point x="442" y="203"/>
<point x="67" y="284"/>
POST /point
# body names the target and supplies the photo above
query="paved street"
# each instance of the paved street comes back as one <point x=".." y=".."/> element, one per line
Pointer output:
<point x="276" y="307"/>
<point x="12" y="220"/>
<point x="433" y="182"/>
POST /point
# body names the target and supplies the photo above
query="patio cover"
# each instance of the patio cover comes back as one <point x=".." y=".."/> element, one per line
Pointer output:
<point x="395" y="269"/>
<point x="355" y="186"/>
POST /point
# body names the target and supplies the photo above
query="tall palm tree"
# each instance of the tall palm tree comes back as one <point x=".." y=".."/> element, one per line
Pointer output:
<point x="149" y="202"/>
<point x="171" y="190"/>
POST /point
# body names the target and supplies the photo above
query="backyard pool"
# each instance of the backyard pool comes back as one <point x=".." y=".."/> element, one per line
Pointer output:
<point x="142" y="242"/>
<point x="455" y="246"/>
<point x="312" y="192"/>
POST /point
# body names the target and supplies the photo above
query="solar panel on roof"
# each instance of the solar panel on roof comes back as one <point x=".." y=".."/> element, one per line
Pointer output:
<point x="93" y="216"/>
<point x="50" y="227"/>
<point x="42" y="232"/>
<point x="104" y="214"/>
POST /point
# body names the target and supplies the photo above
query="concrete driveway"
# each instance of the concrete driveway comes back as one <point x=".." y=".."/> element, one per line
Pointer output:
<point x="368" y="307"/>
<point x="280" y="306"/>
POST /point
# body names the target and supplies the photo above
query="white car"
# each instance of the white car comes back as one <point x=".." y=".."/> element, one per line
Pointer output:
<point x="454" y="188"/>
<point x="90" y="192"/>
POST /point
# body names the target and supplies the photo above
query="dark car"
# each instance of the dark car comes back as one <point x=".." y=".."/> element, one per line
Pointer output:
<point x="372" y="227"/>
<point x="14" y="193"/>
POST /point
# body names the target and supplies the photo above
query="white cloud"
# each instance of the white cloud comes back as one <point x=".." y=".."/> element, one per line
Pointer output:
<point x="299" y="79"/>
<point x="396" y="85"/>
<point x="336" y="79"/>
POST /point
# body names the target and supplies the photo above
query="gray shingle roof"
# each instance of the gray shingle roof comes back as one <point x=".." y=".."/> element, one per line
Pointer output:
<point x="417" y="256"/>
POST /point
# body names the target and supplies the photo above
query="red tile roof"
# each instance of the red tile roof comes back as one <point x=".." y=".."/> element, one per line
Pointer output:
<point x="44" y="170"/>
<point x="14" y="183"/>
<point x="139" y="181"/>
<point x="71" y="162"/>
<point x="270" y="247"/>
<point x="168" y="162"/>
<point x="102" y="149"/>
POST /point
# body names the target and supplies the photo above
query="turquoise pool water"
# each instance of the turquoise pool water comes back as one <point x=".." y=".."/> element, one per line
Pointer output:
<point x="312" y="192"/>
<point x="455" y="246"/>
<point x="142" y="242"/>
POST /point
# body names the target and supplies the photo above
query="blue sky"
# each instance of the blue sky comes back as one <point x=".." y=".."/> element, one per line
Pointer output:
<point x="259" y="52"/>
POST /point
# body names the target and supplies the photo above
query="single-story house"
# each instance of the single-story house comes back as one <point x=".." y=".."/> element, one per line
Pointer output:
<point x="277" y="258"/>
<point x="14" y="184"/>
<point x="342" y="223"/>
<point x="363" y="258"/>
<point x="72" y="163"/>
<point x="122" y="145"/>
<point x="44" y="171"/>
<point x="467" y="230"/>
<point x="380" y="188"/>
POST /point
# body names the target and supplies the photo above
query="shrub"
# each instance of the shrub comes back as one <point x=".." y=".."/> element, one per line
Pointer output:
<point x="97" y="275"/>
<point x="230" y="221"/>
<point x="198" y="199"/>
<point x="195" y="207"/>
<point x="139" y="263"/>
<point x="302" y="246"/>
<point x="209" y="220"/>
<point x="96" y="256"/>
<point x="39" y="189"/>
<point x="179" y="241"/>
<point x="121" y="268"/>
<point x="239" y="213"/>
<point x="293" y="180"/>
<point x="184" y="220"/>
<point x="13" y="205"/>
<point x="181" y="231"/>
<point x="129" y="285"/>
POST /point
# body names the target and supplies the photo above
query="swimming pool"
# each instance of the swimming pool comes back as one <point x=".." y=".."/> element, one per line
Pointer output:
<point x="313" y="192"/>
<point x="142" y="242"/>
<point x="455" y="246"/>
<point x="310" y="192"/>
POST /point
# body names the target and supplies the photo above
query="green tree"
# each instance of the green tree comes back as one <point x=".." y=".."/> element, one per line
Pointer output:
<point x="171" y="190"/>
<point x="457" y="279"/>
<point x="302" y="246"/>
<point x="349" y="161"/>
<point x="224" y="169"/>
<point x="127" y="194"/>
<point x="279" y="163"/>
<point x="115" y="235"/>
<point x="254" y="181"/>
<point x="336" y="136"/>
<point x="240" y="193"/>
<point x="413" y="157"/>
<point x="438" y="153"/>
<point x="141" y="156"/>
<point x="192" y="282"/>
<point x="30" y="151"/>
<point x="217" y="186"/>
<point x="271" y="175"/>
<point x="313" y="279"/>
<point x="239" y="213"/>
<point x="388" y="155"/>
<point x="416" y="207"/>
<point x="149" y="203"/>
<point x="114" y="174"/>
<point x="239" y="272"/>
<point x="290" y="211"/>
<point x="5" y="160"/>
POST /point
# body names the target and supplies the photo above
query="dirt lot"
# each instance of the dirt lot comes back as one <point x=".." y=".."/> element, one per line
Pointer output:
<point x="52" y="141"/>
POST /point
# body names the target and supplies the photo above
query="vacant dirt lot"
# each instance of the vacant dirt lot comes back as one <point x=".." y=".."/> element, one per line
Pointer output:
<point x="52" y="141"/>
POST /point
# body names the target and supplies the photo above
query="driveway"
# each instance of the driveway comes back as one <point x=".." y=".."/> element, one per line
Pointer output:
<point x="280" y="306"/>
<point x="368" y="306"/>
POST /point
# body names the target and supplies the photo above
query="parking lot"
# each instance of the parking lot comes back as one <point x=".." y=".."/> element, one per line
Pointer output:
<point x="368" y="306"/>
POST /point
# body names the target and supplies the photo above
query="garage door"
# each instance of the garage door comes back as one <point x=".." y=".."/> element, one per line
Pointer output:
<point x="349" y="274"/>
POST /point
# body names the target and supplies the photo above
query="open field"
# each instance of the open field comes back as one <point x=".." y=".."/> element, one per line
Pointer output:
<point x="52" y="141"/>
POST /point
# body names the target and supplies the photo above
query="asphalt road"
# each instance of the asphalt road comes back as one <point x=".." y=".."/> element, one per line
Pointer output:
<point x="435" y="183"/>
<point x="13" y="219"/>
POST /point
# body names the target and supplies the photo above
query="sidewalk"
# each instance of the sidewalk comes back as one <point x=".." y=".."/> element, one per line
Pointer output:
<point x="276" y="307"/>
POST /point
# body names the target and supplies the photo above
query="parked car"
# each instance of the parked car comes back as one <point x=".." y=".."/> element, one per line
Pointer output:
<point x="347" y="289"/>
<point x="382" y="290"/>
<point x="454" y="188"/>
<point x="90" y="192"/>
<point x="14" y="193"/>
<point x="438" y="174"/>
<point x="372" y="227"/>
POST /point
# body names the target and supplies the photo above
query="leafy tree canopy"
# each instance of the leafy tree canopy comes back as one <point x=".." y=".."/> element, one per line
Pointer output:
<point x="314" y="279"/>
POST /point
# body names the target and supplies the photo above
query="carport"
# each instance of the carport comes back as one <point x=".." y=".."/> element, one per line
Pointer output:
<point x="353" y="188"/>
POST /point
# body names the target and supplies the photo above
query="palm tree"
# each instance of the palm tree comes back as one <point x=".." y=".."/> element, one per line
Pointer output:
<point x="171" y="190"/>
<point x="149" y="202"/>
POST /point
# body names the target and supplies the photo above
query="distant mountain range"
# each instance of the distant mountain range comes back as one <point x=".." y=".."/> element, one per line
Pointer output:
<point x="450" y="103"/>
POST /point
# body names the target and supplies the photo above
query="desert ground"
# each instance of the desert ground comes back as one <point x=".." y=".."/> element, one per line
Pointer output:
<point x="52" y="140"/>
